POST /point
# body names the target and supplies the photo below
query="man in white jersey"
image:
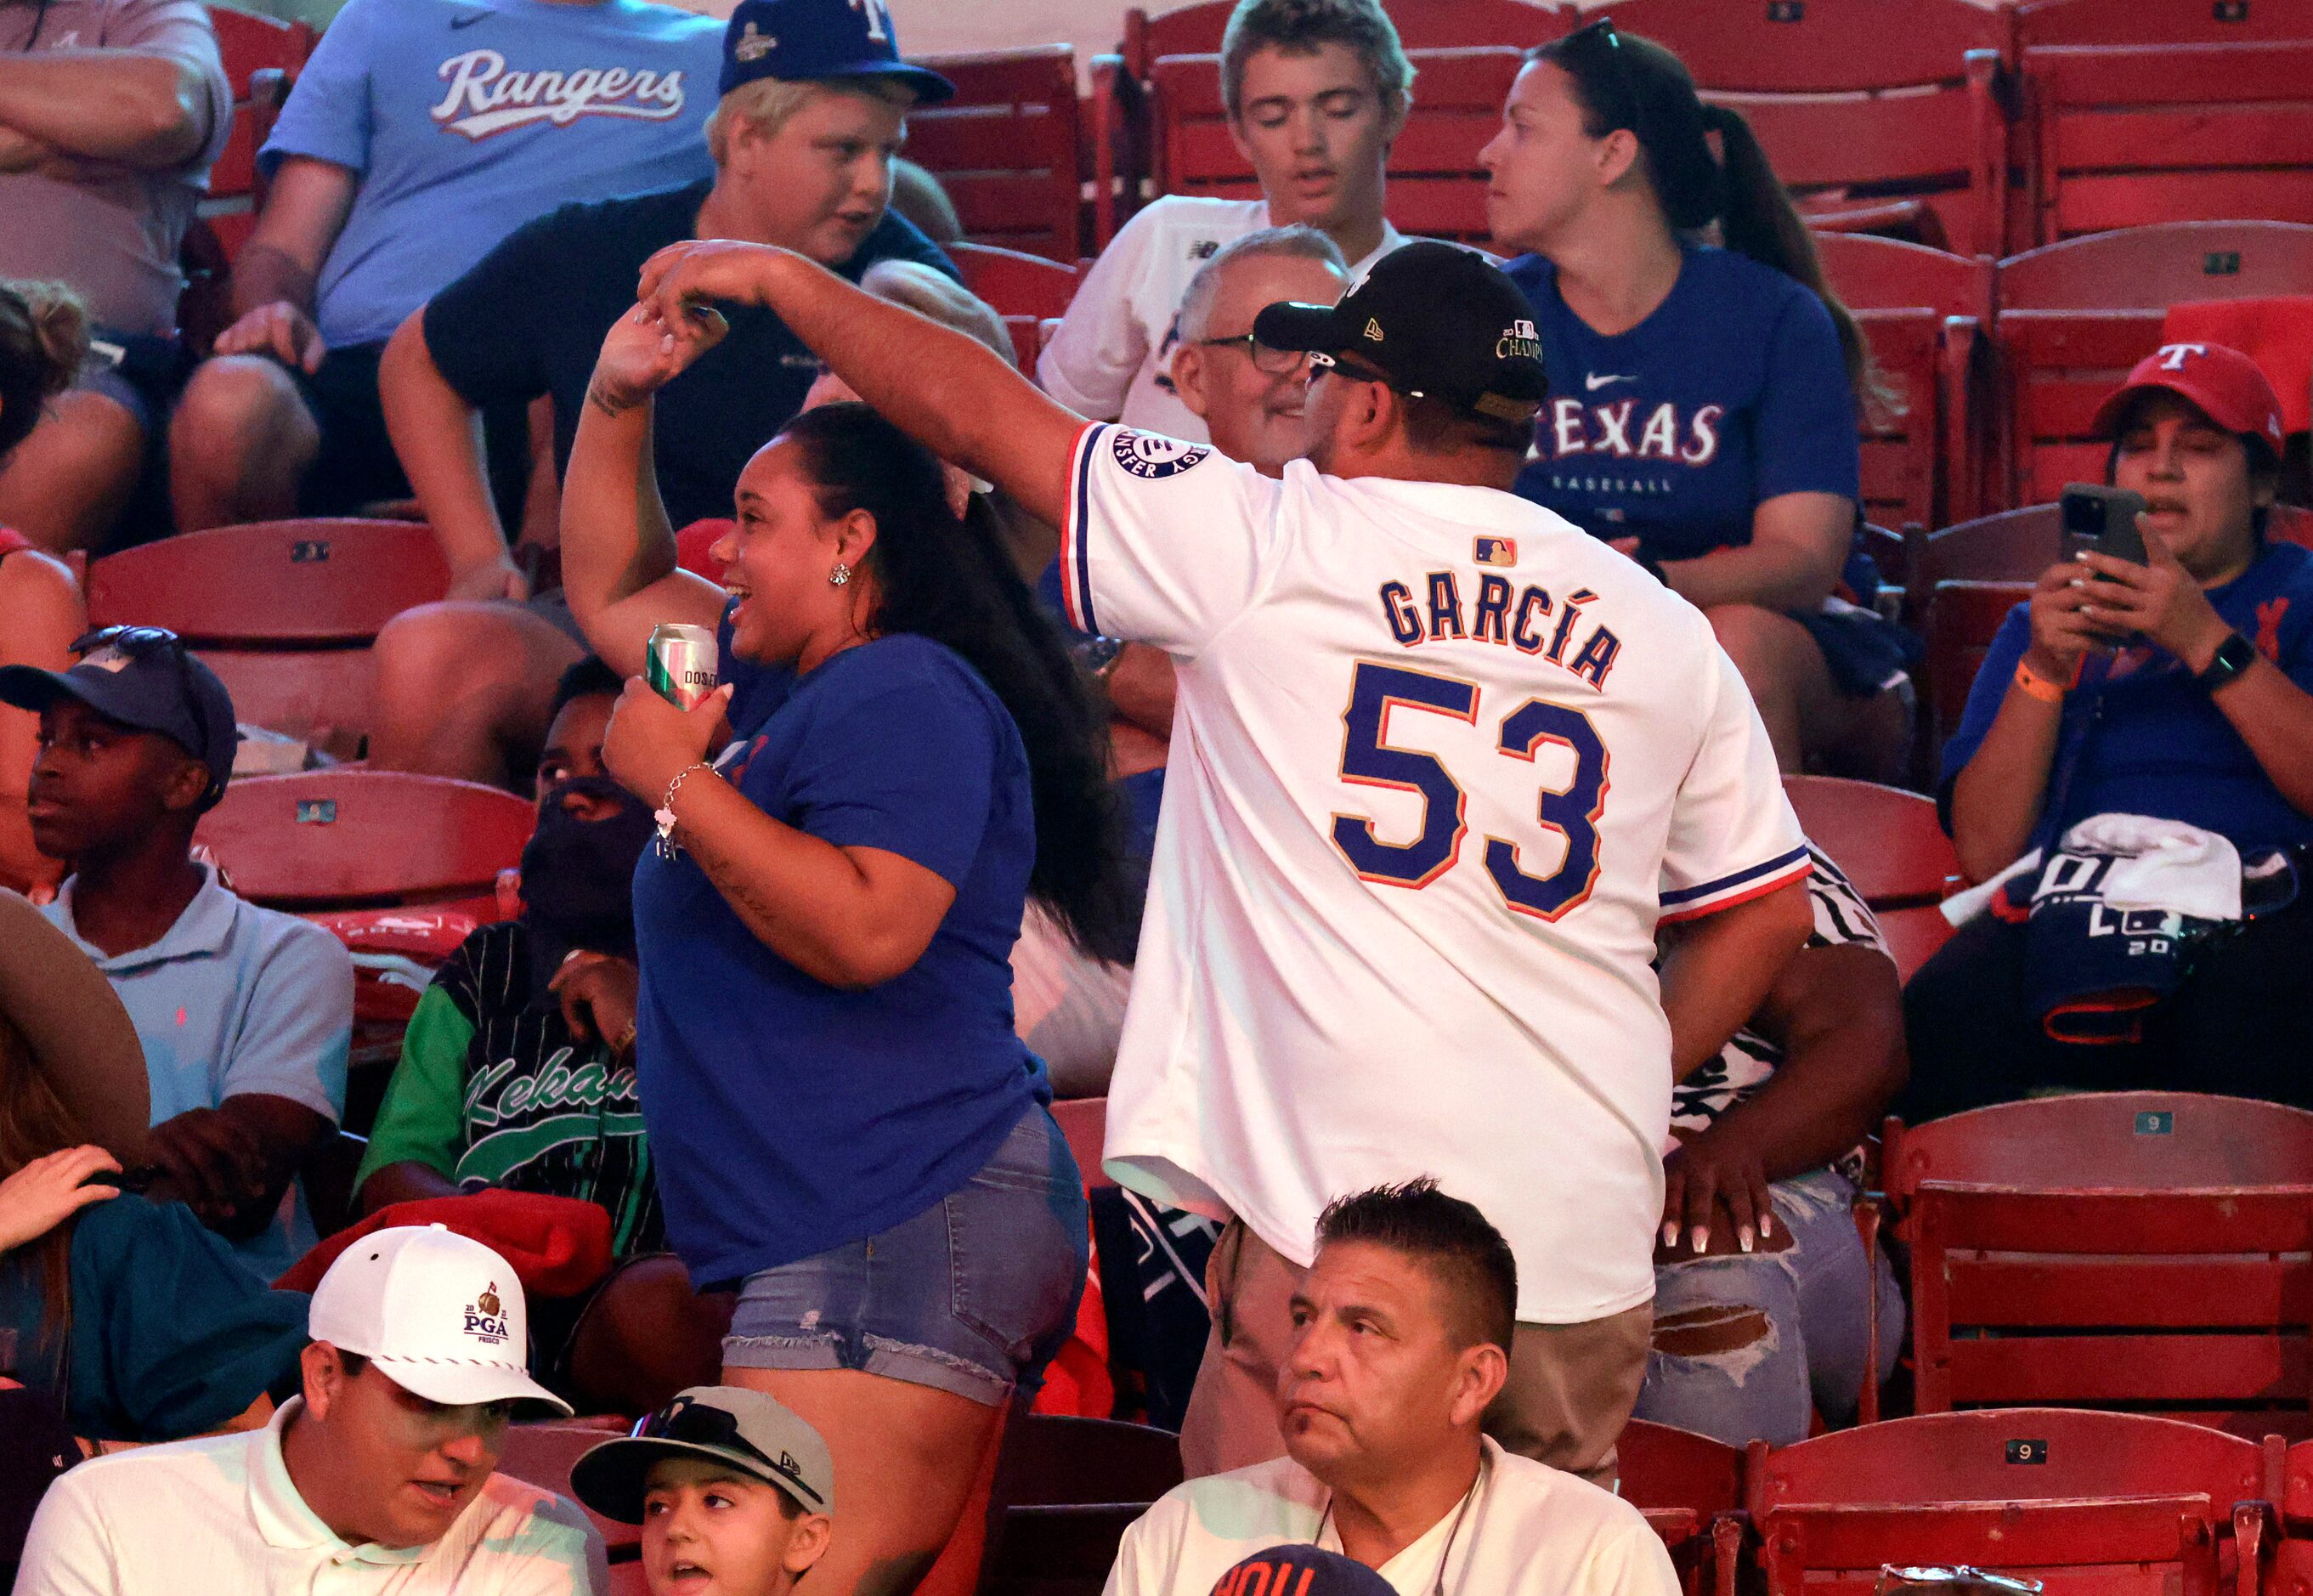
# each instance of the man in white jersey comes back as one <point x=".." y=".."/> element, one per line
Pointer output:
<point x="1316" y="91"/>
<point x="1402" y="913"/>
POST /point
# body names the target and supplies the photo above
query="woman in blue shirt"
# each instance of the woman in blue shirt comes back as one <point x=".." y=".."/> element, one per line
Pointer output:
<point x="1702" y="410"/>
<point x="845" y="1127"/>
<point x="2179" y="689"/>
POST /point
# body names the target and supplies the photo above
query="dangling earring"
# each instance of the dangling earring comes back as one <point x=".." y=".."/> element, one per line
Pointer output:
<point x="839" y="576"/>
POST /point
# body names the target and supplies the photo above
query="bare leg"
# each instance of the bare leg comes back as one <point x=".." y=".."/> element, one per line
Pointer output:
<point x="463" y="690"/>
<point x="647" y="1336"/>
<point x="239" y="444"/>
<point x="905" y="1462"/>
<point x="66" y="484"/>
<point x="1811" y="722"/>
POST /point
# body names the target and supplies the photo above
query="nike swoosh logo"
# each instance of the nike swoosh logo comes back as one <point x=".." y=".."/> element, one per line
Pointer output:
<point x="1593" y="382"/>
<point x="467" y="21"/>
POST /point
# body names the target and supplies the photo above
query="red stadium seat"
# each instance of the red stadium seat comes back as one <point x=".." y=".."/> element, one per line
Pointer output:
<point x="1690" y="1488"/>
<point x="1961" y="621"/>
<point x="2121" y="136"/>
<point x="543" y="1455"/>
<point x="1436" y="186"/>
<point x="1884" y="107"/>
<point x="1015" y="284"/>
<point x="2075" y="316"/>
<point x="357" y="838"/>
<point x="1065" y="1490"/>
<point x="1884" y="840"/>
<point x="1922" y="312"/>
<point x="2110" y="1504"/>
<point x="2144" y="1250"/>
<point x="1422" y="24"/>
<point x="261" y="57"/>
<point x="1005" y="148"/>
<point x="2159" y="22"/>
<point x="1084" y="1121"/>
<point x="284" y="611"/>
<point x="2011" y="546"/>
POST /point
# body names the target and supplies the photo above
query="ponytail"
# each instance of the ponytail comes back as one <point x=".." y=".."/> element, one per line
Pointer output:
<point x="1644" y="87"/>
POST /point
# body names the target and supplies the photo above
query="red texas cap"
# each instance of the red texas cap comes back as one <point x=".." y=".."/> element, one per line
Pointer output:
<point x="2225" y="383"/>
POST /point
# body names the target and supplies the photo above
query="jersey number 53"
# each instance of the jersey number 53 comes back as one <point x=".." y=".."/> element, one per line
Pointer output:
<point x="1367" y="760"/>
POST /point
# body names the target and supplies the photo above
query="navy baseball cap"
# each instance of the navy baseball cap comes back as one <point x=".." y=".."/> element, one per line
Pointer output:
<point x="1434" y="318"/>
<point x="1301" y="1571"/>
<point x="804" y="40"/>
<point x="146" y="678"/>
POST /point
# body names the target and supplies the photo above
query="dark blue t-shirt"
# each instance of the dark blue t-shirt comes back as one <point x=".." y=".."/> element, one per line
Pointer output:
<point x="787" y="1117"/>
<point x="530" y="316"/>
<point x="1733" y="391"/>
<point x="2149" y="740"/>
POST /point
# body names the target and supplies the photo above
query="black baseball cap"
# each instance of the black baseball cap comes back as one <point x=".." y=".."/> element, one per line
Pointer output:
<point x="1435" y="319"/>
<point x="147" y="679"/>
<point x="814" y="39"/>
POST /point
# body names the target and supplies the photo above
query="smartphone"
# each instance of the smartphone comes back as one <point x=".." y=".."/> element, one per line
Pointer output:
<point x="2104" y="519"/>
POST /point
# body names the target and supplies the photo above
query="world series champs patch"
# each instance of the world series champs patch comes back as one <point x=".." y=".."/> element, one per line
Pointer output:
<point x="1151" y="455"/>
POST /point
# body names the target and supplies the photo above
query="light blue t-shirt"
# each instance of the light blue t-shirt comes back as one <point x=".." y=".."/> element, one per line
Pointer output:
<point x="465" y="119"/>
<point x="235" y="999"/>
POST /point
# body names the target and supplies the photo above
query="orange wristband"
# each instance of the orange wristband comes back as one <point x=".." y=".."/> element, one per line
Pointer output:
<point x="2036" y="685"/>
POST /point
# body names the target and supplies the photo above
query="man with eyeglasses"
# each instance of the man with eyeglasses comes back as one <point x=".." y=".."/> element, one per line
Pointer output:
<point x="245" y="1014"/>
<point x="379" y="1479"/>
<point x="733" y="1489"/>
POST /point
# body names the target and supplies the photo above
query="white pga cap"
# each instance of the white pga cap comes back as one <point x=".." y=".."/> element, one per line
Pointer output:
<point x="438" y="1313"/>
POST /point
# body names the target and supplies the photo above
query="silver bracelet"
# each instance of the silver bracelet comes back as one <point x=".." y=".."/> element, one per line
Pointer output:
<point x="665" y="817"/>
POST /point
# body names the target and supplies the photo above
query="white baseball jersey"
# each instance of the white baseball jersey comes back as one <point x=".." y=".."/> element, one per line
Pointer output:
<point x="1112" y="356"/>
<point x="1440" y="764"/>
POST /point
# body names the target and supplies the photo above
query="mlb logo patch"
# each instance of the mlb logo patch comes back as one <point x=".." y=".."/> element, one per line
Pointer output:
<point x="1495" y="550"/>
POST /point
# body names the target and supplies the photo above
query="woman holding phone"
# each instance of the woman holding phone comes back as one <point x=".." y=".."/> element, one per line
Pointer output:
<point x="847" y="1132"/>
<point x="2175" y="689"/>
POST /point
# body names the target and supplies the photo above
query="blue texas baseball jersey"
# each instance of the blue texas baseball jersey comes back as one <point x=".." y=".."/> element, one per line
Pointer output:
<point x="1733" y="391"/>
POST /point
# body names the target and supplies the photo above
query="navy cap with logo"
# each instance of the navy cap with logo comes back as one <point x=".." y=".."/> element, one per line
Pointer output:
<point x="147" y="679"/>
<point x="803" y="39"/>
<point x="1301" y="1571"/>
<point x="1433" y="318"/>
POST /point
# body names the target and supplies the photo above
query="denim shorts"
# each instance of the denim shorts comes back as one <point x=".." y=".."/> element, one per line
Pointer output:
<point x="974" y="1295"/>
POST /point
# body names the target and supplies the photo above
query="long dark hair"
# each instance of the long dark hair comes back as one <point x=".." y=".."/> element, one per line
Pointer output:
<point x="33" y="1124"/>
<point x="1637" y="84"/>
<point x="952" y="581"/>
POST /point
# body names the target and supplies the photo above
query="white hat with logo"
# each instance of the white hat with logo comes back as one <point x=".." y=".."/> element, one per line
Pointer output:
<point x="438" y="1313"/>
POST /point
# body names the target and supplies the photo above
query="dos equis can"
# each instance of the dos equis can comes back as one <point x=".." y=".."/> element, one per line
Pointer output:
<point x="680" y="668"/>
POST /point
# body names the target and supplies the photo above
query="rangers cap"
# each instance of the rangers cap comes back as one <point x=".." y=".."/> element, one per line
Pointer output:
<point x="2227" y="385"/>
<point x="438" y="1313"/>
<point x="1435" y="320"/>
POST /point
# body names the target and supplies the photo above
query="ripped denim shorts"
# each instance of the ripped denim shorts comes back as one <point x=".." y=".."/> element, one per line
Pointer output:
<point x="974" y="1295"/>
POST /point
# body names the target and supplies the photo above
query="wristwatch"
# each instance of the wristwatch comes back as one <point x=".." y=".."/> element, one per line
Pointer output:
<point x="2235" y="655"/>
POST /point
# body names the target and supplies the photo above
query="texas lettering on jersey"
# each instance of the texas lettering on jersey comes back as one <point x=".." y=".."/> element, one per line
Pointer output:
<point x="484" y="98"/>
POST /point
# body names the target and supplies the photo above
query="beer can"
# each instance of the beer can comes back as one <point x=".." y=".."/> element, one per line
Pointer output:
<point x="681" y="666"/>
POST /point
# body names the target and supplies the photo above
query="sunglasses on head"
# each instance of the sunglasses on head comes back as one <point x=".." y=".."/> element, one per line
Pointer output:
<point x="1598" y="43"/>
<point x="687" y="1419"/>
<point x="139" y="642"/>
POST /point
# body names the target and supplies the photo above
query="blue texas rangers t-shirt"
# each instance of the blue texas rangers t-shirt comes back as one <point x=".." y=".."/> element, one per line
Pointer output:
<point x="1733" y="391"/>
<point x="2142" y="738"/>
<point x="787" y="1116"/>
<point x="464" y="119"/>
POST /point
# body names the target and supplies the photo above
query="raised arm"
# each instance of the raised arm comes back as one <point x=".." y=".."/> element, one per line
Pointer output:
<point x="960" y="400"/>
<point x="618" y="571"/>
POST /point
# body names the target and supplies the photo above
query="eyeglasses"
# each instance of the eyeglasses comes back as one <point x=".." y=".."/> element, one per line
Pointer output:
<point x="137" y="642"/>
<point x="687" y="1419"/>
<point x="1275" y="363"/>
<point x="1598" y="41"/>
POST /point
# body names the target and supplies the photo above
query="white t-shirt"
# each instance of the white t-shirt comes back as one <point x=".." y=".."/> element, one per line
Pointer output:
<point x="1529" y="1530"/>
<point x="221" y="1514"/>
<point x="1113" y="354"/>
<point x="1402" y="914"/>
